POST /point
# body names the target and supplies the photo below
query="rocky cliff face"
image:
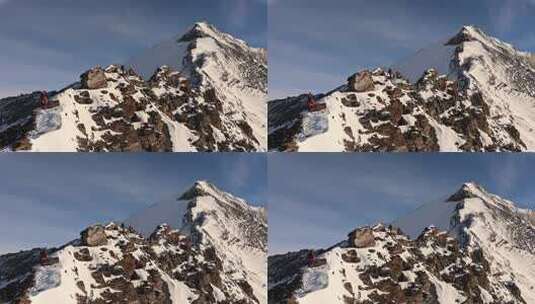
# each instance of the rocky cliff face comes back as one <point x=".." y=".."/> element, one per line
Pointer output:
<point x="473" y="256"/>
<point x="202" y="91"/>
<point x="478" y="96"/>
<point x="218" y="255"/>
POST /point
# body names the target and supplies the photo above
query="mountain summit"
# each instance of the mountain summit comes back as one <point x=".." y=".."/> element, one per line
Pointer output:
<point x="475" y="247"/>
<point x="471" y="92"/>
<point x="205" y="246"/>
<point x="203" y="90"/>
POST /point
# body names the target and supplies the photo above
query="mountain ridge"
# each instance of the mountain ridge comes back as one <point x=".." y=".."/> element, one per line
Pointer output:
<point x="470" y="93"/>
<point x="217" y="255"/>
<point x="480" y="252"/>
<point x="204" y="94"/>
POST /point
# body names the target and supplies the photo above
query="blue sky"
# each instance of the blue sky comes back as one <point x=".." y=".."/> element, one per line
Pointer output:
<point x="314" y="45"/>
<point x="47" y="199"/>
<point x="48" y="44"/>
<point x="316" y="199"/>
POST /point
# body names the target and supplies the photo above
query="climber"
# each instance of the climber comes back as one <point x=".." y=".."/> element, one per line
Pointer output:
<point x="311" y="258"/>
<point x="43" y="257"/>
<point x="313" y="105"/>
<point x="44" y="99"/>
<point x="311" y="102"/>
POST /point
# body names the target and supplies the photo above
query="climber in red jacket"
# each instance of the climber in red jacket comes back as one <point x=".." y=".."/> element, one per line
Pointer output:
<point x="311" y="258"/>
<point x="43" y="257"/>
<point x="44" y="99"/>
<point x="311" y="102"/>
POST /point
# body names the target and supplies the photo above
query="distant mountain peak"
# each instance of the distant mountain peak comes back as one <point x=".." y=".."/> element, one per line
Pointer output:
<point x="199" y="30"/>
<point x="467" y="33"/>
<point x="199" y="188"/>
<point x="467" y="190"/>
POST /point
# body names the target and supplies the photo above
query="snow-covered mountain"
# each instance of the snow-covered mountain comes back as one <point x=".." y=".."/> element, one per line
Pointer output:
<point x="473" y="248"/>
<point x="203" y="90"/>
<point x="472" y="92"/>
<point x="204" y="246"/>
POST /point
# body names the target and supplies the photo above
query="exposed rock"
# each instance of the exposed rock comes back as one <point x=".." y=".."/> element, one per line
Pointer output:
<point x="362" y="238"/>
<point x="361" y="82"/>
<point x="94" y="79"/>
<point x="94" y="236"/>
<point x="395" y="269"/>
<point x="83" y="255"/>
<point x="83" y="98"/>
<point x="461" y="194"/>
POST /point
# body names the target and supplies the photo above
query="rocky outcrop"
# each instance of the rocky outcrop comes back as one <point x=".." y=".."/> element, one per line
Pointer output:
<point x="136" y="270"/>
<point x="466" y="191"/>
<point x="94" y="79"/>
<point x="94" y="236"/>
<point x="361" y="238"/>
<point x="285" y="274"/>
<point x="17" y="119"/>
<point x="361" y="82"/>
<point x="394" y="269"/>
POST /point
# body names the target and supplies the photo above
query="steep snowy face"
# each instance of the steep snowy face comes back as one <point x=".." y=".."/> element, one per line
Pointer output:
<point x="483" y="221"/>
<point x="214" y="251"/>
<point x="216" y="60"/>
<point x="469" y="93"/>
<point x="474" y="248"/>
<point x="202" y="91"/>
<point x="505" y="77"/>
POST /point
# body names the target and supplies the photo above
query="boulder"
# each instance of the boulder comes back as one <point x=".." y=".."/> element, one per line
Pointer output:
<point x="94" y="79"/>
<point x="94" y="236"/>
<point x="361" y="238"/>
<point x="361" y="82"/>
